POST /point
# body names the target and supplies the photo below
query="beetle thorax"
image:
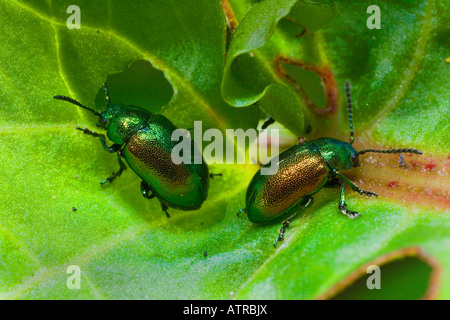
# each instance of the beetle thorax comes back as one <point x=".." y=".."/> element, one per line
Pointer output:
<point x="338" y="154"/>
<point x="123" y="121"/>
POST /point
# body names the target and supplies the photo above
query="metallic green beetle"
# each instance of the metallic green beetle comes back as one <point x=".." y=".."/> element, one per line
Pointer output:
<point x="144" y="140"/>
<point x="303" y="170"/>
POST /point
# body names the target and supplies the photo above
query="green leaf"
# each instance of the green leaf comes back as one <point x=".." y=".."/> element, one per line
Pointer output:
<point x="124" y="245"/>
<point x="250" y="75"/>
<point x="312" y="15"/>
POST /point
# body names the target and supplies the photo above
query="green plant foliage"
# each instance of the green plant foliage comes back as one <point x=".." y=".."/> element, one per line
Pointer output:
<point x="249" y="75"/>
<point x="123" y="243"/>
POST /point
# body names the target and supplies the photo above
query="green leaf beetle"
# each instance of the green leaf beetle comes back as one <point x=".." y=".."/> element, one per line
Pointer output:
<point x="144" y="139"/>
<point x="303" y="170"/>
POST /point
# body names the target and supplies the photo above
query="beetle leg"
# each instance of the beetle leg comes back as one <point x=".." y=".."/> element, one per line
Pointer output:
<point x="147" y="193"/>
<point x="305" y="204"/>
<point x="281" y="232"/>
<point x="401" y="160"/>
<point x="212" y="175"/>
<point x="267" y="123"/>
<point x="343" y="205"/>
<point x="240" y="211"/>
<point x="118" y="173"/>
<point x="114" y="148"/>
<point x="164" y="208"/>
<point x="333" y="183"/>
<point x="353" y="185"/>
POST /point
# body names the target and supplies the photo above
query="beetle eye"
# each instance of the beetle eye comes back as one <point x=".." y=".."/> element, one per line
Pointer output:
<point x="355" y="160"/>
<point x="101" y="123"/>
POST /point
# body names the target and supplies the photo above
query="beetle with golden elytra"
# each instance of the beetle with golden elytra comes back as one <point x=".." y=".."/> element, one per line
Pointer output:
<point x="303" y="170"/>
<point x="144" y="139"/>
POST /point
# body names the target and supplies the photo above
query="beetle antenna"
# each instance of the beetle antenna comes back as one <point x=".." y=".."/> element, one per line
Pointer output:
<point x="105" y="89"/>
<point x="75" y="102"/>
<point x="391" y="151"/>
<point x="349" y="109"/>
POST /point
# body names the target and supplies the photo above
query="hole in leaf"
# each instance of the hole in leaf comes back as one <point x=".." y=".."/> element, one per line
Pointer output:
<point x="310" y="82"/>
<point x="140" y="85"/>
<point x="406" y="279"/>
<point x="290" y="28"/>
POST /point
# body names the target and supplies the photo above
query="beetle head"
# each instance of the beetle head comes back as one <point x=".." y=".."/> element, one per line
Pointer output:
<point x="338" y="154"/>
